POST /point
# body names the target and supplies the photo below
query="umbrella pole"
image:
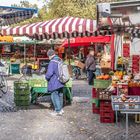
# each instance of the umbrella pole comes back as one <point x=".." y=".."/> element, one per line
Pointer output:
<point x="24" y="53"/>
<point x="52" y="45"/>
<point x="34" y="53"/>
<point x="69" y="49"/>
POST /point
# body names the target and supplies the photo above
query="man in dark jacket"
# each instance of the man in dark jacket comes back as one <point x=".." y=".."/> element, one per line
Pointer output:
<point x="54" y="85"/>
<point x="90" y="66"/>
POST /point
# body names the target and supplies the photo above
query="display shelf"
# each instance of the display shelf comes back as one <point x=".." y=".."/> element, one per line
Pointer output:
<point x="131" y="103"/>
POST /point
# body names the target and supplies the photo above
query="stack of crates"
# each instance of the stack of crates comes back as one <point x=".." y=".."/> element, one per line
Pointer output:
<point x="95" y="102"/>
<point x="106" y="112"/>
<point x="21" y="94"/>
<point x="98" y="84"/>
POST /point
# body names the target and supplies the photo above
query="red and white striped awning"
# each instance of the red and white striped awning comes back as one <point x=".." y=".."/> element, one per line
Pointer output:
<point x="57" y="28"/>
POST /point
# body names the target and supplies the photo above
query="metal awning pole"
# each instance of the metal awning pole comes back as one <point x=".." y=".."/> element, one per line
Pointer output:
<point x="34" y="53"/>
<point x="69" y="49"/>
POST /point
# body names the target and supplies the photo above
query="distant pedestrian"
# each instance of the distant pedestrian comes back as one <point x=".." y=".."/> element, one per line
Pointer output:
<point x="90" y="66"/>
<point x="81" y="55"/>
<point x="55" y="87"/>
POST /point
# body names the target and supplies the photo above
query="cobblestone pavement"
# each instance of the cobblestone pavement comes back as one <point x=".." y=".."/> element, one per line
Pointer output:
<point x="78" y="123"/>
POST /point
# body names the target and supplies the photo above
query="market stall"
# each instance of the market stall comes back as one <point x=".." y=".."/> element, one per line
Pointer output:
<point x="8" y="16"/>
<point x="14" y="53"/>
<point x="65" y="27"/>
<point x="121" y="82"/>
<point x="22" y="50"/>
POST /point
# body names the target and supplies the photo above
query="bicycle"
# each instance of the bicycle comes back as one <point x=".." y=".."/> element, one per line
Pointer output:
<point x="3" y="84"/>
<point x="3" y="81"/>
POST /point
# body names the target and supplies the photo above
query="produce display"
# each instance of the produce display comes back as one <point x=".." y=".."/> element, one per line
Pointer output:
<point x="127" y="99"/>
<point x="122" y="88"/>
<point x="120" y="61"/>
<point x="134" y="84"/>
<point x="103" y="77"/>
<point x="38" y="82"/>
<point x="124" y="102"/>
<point x="6" y="39"/>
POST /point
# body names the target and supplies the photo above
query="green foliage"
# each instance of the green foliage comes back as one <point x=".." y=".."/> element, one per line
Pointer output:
<point x="61" y="8"/>
<point x="76" y="8"/>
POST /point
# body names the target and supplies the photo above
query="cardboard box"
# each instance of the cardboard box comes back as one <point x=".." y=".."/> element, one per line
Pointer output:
<point x="79" y="64"/>
<point x="105" y="64"/>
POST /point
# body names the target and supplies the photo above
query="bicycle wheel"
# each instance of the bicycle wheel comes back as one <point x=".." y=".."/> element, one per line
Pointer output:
<point x="3" y="84"/>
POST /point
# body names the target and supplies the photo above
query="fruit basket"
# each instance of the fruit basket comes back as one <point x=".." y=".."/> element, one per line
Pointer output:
<point x="127" y="103"/>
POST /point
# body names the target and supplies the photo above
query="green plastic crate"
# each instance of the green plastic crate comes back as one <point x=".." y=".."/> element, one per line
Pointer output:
<point x="22" y="102"/>
<point x="22" y="91"/>
<point x="101" y="83"/>
<point x="22" y="97"/>
<point x="38" y="83"/>
<point x="21" y="85"/>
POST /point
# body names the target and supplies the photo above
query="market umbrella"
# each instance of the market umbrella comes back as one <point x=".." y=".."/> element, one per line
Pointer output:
<point x="58" y="28"/>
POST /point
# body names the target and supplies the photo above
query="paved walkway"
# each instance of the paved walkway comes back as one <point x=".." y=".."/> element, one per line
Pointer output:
<point x="78" y="123"/>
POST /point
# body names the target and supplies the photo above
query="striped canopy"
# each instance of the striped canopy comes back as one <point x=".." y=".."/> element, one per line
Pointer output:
<point x="57" y="28"/>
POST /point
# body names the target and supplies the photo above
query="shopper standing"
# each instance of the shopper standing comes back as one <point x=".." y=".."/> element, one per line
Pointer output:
<point x="90" y="66"/>
<point x="81" y="55"/>
<point x="54" y="85"/>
